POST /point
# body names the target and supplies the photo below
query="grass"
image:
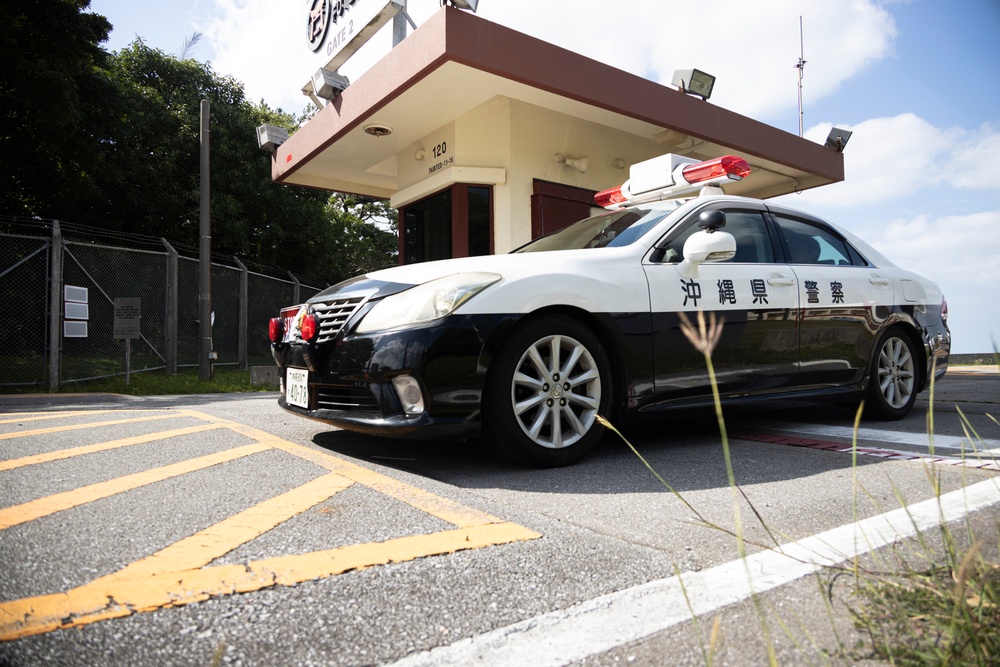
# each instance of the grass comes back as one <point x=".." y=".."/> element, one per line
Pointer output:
<point x="945" y="610"/>
<point x="157" y="383"/>
<point x="945" y="613"/>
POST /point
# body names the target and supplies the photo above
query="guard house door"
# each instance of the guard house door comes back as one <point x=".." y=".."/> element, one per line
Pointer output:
<point x="554" y="206"/>
<point x="456" y="222"/>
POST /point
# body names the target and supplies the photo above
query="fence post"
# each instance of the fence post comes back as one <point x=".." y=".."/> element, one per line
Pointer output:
<point x="170" y="310"/>
<point x="295" y="288"/>
<point x="55" y="308"/>
<point x="241" y="345"/>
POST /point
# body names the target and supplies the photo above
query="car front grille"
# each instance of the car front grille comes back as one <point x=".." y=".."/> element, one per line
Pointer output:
<point x="332" y="315"/>
<point x="346" y="398"/>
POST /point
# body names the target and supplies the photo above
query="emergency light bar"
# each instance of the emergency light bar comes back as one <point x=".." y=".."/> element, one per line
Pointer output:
<point x="670" y="176"/>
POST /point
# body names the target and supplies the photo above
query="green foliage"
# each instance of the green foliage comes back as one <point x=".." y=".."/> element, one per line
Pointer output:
<point x="54" y="87"/>
<point x="155" y="383"/>
<point x="364" y="236"/>
<point x="112" y="140"/>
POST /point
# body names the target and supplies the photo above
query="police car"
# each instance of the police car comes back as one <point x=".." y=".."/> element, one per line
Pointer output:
<point x="526" y="349"/>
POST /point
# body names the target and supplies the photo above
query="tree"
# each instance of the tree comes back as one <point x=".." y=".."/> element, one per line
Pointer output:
<point x="54" y="90"/>
<point x="113" y="141"/>
<point x="364" y="234"/>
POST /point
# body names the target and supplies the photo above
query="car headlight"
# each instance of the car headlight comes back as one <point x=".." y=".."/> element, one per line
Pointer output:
<point x="425" y="303"/>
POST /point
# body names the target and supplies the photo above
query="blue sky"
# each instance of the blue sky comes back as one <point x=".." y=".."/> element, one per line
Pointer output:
<point x="918" y="81"/>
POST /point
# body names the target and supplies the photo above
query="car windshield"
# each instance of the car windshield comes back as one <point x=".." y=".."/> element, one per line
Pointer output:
<point x="606" y="230"/>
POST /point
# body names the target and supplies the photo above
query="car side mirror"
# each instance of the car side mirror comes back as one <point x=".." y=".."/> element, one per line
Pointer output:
<point x="706" y="246"/>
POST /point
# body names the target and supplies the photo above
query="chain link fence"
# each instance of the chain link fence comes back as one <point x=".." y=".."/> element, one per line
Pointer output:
<point x="60" y="284"/>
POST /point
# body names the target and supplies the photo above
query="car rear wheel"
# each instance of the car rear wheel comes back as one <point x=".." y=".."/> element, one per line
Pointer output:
<point x="892" y="388"/>
<point x="546" y="387"/>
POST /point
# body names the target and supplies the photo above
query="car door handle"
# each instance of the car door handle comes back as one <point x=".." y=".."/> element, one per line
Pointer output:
<point x="880" y="281"/>
<point x="780" y="281"/>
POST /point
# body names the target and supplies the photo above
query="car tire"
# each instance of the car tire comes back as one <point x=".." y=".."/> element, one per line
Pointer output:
<point x="547" y="384"/>
<point x="894" y="380"/>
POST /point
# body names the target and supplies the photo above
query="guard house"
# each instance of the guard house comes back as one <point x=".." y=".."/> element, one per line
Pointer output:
<point x="485" y="138"/>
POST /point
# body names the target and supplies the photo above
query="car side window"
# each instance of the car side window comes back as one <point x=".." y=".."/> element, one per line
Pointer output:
<point x="753" y="242"/>
<point x="807" y="243"/>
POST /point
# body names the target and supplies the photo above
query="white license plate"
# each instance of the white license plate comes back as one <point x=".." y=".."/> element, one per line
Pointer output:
<point x="297" y="387"/>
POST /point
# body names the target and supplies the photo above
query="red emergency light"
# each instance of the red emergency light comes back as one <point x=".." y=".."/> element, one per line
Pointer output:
<point x="683" y="179"/>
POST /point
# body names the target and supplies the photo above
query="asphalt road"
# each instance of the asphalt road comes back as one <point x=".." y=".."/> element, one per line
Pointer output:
<point x="222" y="530"/>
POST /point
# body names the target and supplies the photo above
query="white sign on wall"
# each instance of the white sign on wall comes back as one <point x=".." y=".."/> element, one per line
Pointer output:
<point x="76" y="311"/>
<point x="335" y="29"/>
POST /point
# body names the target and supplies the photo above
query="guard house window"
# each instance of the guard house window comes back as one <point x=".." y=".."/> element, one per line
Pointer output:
<point x="456" y="222"/>
<point x="427" y="229"/>
<point x="555" y="206"/>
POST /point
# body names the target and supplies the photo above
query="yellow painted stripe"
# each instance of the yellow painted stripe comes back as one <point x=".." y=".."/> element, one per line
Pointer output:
<point x="74" y="427"/>
<point x="35" y="509"/>
<point x="103" y="446"/>
<point x="216" y="541"/>
<point x="454" y="513"/>
<point x="119" y="596"/>
<point x="17" y="417"/>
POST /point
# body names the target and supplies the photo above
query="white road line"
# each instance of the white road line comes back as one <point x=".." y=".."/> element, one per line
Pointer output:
<point x="894" y="437"/>
<point x="601" y="624"/>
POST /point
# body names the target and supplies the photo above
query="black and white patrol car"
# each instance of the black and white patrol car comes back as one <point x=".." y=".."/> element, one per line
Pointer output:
<point x="527" y="349"/>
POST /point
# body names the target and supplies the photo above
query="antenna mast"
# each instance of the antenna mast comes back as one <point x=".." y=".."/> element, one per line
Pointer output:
<point x="801" y="66"/>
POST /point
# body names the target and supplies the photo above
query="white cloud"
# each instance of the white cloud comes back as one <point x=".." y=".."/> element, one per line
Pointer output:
<point x="891" y="159"/>
<point x="254" y="41"/>
<point x="954" y="248"/>
<point x="974" y="163"/>
<point x="751" y="48"/>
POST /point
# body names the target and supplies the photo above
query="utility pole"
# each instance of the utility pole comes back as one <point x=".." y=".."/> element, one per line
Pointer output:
<point x="205" y="353"/>
<point x="801" y="66"/>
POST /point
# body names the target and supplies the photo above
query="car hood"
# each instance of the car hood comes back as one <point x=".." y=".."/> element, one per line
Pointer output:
<point x="384" y="282"/>
<point x="415" y="274"/>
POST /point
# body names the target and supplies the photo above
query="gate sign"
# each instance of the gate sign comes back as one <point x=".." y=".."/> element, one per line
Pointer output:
<point x="333" y="30"/>
<point x="127" y="316"/>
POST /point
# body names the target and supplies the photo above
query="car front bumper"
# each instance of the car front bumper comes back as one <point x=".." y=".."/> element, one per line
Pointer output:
<point x="350" y="380"/>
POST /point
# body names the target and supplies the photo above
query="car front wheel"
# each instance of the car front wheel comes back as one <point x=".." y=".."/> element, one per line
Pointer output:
<point x="892" y="388"/>
<point x="547" y="385"/>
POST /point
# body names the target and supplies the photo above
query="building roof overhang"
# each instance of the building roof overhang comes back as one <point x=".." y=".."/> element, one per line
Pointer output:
<point x="456" y="62"/>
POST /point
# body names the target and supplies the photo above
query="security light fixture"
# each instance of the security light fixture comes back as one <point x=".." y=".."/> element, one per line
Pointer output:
<point x="327" y="84"/>
<point x="694" y="82"/>
<point x="837" y="139"/>
<point x="269" y="137"/>
<point x="464" y="4"/>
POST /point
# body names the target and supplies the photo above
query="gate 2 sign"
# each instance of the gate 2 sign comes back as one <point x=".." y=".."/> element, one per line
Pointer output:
<point x="335" y="29"/>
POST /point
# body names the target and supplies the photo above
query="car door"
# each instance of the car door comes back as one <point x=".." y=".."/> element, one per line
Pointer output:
<point x="843" y="302"/>
<point x="755" y="296"/>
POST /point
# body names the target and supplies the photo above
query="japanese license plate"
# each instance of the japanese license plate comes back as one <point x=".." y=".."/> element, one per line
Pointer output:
<point x="297" y="387"/>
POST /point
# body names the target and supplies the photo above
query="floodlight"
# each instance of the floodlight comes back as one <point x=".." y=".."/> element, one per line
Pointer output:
<point x="837" y="139"/>
<point x="694" y="82"/>
<point x="465" y="4"/>
<point x="269" y="137"/>
<point x="327" y="84"/>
